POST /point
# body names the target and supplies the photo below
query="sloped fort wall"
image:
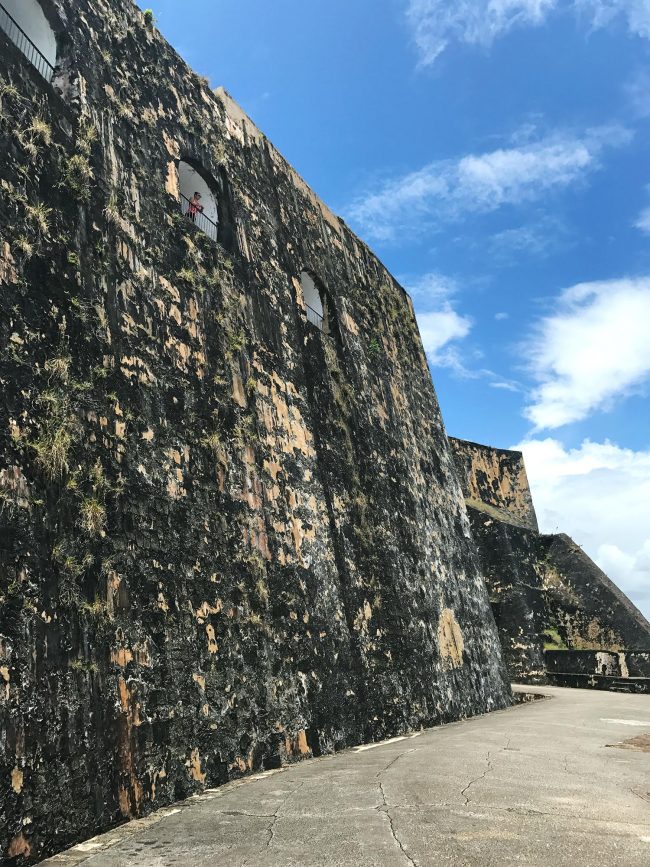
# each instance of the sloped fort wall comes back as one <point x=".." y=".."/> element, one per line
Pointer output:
<point x="227" y="538"/>
<point x="545" y="591"/>
<point x="504" y="527"/>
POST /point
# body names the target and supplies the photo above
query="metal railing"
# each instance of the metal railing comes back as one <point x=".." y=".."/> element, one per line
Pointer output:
<point x="314" y="317"/>
<point x="24" y="44"/>
<point x="205" y="224"/>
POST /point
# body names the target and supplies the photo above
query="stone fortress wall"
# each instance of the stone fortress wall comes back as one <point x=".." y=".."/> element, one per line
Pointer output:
<point x="494" y="481"/>
<point x="231" y="530"/>
<point x="546" y="593"/>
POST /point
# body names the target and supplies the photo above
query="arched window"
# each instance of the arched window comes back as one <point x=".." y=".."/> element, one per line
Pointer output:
<point x="25" y="24"/>
<point x="198" y="200"/>
<point x="313" y="301"/>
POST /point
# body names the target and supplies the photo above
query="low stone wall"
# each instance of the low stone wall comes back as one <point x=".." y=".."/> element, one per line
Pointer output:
<point x="599" y="669"/>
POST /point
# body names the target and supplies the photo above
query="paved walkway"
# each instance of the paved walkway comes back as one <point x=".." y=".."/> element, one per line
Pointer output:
<point x="537" y="784"/>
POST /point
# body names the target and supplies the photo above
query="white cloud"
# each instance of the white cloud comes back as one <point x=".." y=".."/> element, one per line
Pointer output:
<point x="505" y="385"/>
<point x="598" y="494"/>
<point x="592" y="351"/>
<point x="430" y="287"/>
<point x="501" y="316"/>
<point x="601" y="13"/>
<point x="439" y="323"/>
<point x="445" y="190"/>
<point x="643" y="221"/>
<point x="438" y="329"/>
<point x="442" y="328"/>
<point x="435" y="24"/>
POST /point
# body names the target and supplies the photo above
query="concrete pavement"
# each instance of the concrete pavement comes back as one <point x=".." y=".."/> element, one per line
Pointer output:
<point x="538" y="784"/>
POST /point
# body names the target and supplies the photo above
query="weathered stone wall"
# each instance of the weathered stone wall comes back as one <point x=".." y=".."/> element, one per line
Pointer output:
<point x="585" y="608"/>
<point x="495" y="481"/>
<point x="545" y="591"/>
<point x="625" y="671"/>
<point x="226" y="539"/>
<point x="511" y="566"/>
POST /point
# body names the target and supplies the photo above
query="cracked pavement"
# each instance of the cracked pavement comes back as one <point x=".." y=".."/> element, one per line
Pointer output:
<point x="537" y="784"/>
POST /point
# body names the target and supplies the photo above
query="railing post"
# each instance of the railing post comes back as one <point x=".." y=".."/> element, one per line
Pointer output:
<point x="314" y="317"/>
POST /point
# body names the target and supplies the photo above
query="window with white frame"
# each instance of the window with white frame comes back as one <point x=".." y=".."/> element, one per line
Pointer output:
<point x="198" y="201"/>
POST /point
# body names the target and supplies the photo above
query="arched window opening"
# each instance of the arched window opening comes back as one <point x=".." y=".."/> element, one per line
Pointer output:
<point x="198" y="201"/>
<point x="313" y="301"/>
<point x="25" y="24"/>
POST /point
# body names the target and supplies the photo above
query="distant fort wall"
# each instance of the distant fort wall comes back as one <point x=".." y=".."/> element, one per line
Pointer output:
<point x="545" y="591"/>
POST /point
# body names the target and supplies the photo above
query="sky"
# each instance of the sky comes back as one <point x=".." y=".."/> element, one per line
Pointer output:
<point x="494" y="154"/>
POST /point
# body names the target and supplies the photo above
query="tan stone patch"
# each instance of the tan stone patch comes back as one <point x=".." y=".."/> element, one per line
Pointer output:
<point x="241" y="765"/>
<point x="112" y="593"/>
<point x="19" y="846"/>
<point x="122" y="656"/>
<point x="380" y="409"/>
<point x="206" y="610"/>
<point x="195" y="767"/>
<point x="212" y="641"/>
<point x="173" y="147"/>
<point x="349" y="323"/>
<point x="171" y="290"/>
<point x="450" y="639"/>
<point x="124" y="801"/>
<point x="17" y="780"/>
<point x="8" y="273"/>
<point x="238" y="394"/>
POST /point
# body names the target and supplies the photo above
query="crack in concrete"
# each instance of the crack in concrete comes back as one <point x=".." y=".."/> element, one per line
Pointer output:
<point x="274" y="819"/>
<point x="384" y="808"/>
<point x="476" y="780"/>
<point x="489" y="769"/>
<point x="394" y="761"/>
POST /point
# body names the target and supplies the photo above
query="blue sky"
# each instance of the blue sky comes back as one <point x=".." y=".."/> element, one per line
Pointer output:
<point x="494" y="153"/>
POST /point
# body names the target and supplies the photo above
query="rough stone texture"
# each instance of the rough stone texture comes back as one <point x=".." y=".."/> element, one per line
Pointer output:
<point x="626" y="671"/>
<point x="495" y="481"/>
<point x="227" y="540"/>
<point x="588" y="610"/>
<point x="538" y="785"/>
<point x="510" y="557"/>
<point x="545" y="591"/>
